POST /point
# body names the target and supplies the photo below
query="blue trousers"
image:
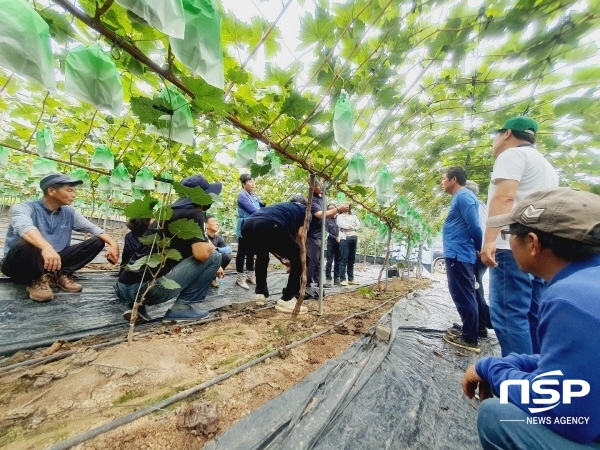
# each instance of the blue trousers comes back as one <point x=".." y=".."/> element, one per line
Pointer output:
<point x="461" y="284"/>
<point x="348" y="256"/>
<point x="194" y="278"/>
<point x="514" y="302"/>
<point x="496" y="435"/>
<point x="333" y="259"/>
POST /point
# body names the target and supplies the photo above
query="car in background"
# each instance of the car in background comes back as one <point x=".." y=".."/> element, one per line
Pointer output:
<point x="438" y="263"/>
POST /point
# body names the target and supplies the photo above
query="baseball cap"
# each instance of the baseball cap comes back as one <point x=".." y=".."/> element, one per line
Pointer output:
<point x="523" y="124"/>
<point x="57" y="178"/>
<point x="564" y="212"/>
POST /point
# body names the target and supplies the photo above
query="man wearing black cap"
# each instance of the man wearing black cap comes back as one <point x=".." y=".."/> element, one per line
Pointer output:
<point x="38" y="250"/>
<point x="519" y="170"/>
<point x="192" y="273"/>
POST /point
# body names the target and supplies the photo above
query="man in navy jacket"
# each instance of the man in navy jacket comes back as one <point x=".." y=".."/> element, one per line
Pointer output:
<point x="549" y="400"/>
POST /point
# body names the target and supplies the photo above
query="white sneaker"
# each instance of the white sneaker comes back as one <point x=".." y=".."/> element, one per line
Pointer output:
<point x="288" y="306"/>
<point x="250" y="278"/>
<point x="260" y="300"/>
<point x="344" y="283"/>
<point x="241" y="281"/>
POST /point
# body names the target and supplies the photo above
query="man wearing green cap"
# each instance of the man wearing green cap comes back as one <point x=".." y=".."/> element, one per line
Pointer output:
<point x="519" y="170"/>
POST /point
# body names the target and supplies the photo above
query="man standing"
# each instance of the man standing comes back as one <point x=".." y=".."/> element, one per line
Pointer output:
<point x="277" y="229"/>
<point x="333" y="249"/>
<point x="212" y="228"/>
<point x="555" y="235"/>
<point x="519" y="170"/>
<point x="462" y="241"/>
<point x="313" y="238"/>
<point x="38" y="250"/>
<point x="195" y="269"/>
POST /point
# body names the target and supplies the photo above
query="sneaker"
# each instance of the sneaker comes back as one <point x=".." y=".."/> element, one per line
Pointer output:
<point x="189" y="314"/>
<point x="241" y="281"/>
<point x="327" y="285"/>
<point x="458" y="341"/>
<point x="336" y="281"/>
<point x="250" y="278"/>
<point x="287" y="306"/>
<point x="39" y="290"/>
<point x="66" y="283"/>
<point x="142" y="315"/>
<point x="352" y="282"/>
<point x="344" y="283"/>
<point x="214" y="284"/>
<point x="260" y="300"/>
<point x="456" y="330"/>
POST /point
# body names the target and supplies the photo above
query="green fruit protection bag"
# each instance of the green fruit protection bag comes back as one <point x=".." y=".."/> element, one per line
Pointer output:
<point x="343" y="122"/>
<point x="4" y="154"/>
<point x="163" y="187"/>
<point x="16" y="175"/>
<point x="104" y="184"/>
<point x="384" y="187"/>
<point x="275" y="162"/>
<point x="83" y="175"/>
<point x="42" y="167"/>
<point x="144" y="180"/>
<point x="120" y="179"/>
<point x="44" y="142"/>
<point x="179" y="126"/>
<point x="138" y="194"/>
<point x="402" y="207"/>
<point x="200" y="49"/>
<point x="103" y="158"/>
<point x="341" y="198"/>
<point x="382" y="233"/>
<point x="91" y="76"/>
<point x="164" y="15"/>
<point x="25" y="46"/>
<point x="246" y="153"/>
<point x="357" y="171"/>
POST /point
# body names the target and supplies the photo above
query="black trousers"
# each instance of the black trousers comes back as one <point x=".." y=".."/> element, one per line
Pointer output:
<point x="333" y="258"/>
<point x="225" y="260"/>
<point x="24" y="262"/>
<point x="244" y="253"/>
<point x="313" y="259"/>
<point x="485" y="321"/>
<point x="461" y="283"/>
<point x="264" y="237"/>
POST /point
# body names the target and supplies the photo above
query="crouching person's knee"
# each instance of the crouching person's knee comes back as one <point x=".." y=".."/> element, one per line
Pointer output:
<point x="492" y="427"/>
<point x="214" y="259"/>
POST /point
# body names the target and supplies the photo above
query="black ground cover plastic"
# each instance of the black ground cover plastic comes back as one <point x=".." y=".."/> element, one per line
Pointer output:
<point x="404" y="394"/>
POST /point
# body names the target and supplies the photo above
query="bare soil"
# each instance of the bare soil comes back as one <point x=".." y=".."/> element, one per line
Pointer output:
<point x="45" y="404"/>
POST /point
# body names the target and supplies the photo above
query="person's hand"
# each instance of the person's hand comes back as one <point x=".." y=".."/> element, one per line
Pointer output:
<point x="52" y="261"/>
<point x="472" y="381"/>
<point x="337" y="239"/>
<point x="488" y="254"/>
<point x="220" y="273"/>
<point x="112" y="254"/>
<point x="343" y="208"/>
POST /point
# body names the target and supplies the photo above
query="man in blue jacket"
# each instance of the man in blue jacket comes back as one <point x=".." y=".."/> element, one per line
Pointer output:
<point x="462" y="240"/>
<point x="553" y="399"/>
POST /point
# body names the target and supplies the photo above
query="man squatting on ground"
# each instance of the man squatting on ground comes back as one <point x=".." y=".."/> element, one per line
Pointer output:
<point x="519" y="170"/>
<point x="38" y="250"/>
<point x="313" y="238"/>
<point x="462" y="241"/>
<point x="277" y="229"/>
<point x="198" y="267"/>
<point x="555" y="235"/>
<point x="212" y="230"/>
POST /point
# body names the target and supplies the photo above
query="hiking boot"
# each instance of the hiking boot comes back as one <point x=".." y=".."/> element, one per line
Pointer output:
<point x="352" y="282"/>
<point x="260" y="300"/>
<point x="458" y="341"/>
<point x="344" y="283"/>
<point x="327" y="285"/>
<point x="142" y="315"/>
<point x="189" y="314"/>
<point x="287" y="306"/>
<point x="214" y="284"/>
<point x="66" y="283"/>
<point x="250" y="278"/>
<point x="241" y="281"/>
<point x="456" y="330"/>
<point x="39" y="290"/>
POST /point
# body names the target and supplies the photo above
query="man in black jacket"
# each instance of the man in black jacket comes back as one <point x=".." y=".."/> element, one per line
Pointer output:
<point x="333" y="249"/>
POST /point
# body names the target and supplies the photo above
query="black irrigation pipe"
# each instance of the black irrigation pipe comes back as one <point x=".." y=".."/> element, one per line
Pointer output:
<point x="68" y="443"/>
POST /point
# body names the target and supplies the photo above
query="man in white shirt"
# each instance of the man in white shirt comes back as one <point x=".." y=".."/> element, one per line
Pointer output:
<point x="519" y="170"/>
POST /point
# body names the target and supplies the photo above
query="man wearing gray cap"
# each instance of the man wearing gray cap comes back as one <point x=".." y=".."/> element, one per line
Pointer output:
<point x="553" y="398"/>
<point x="519" y="170"/>
<point x="38" y="250"/>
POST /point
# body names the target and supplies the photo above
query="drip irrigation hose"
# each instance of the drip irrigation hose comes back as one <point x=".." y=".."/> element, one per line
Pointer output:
<point x="68" y="443"/>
